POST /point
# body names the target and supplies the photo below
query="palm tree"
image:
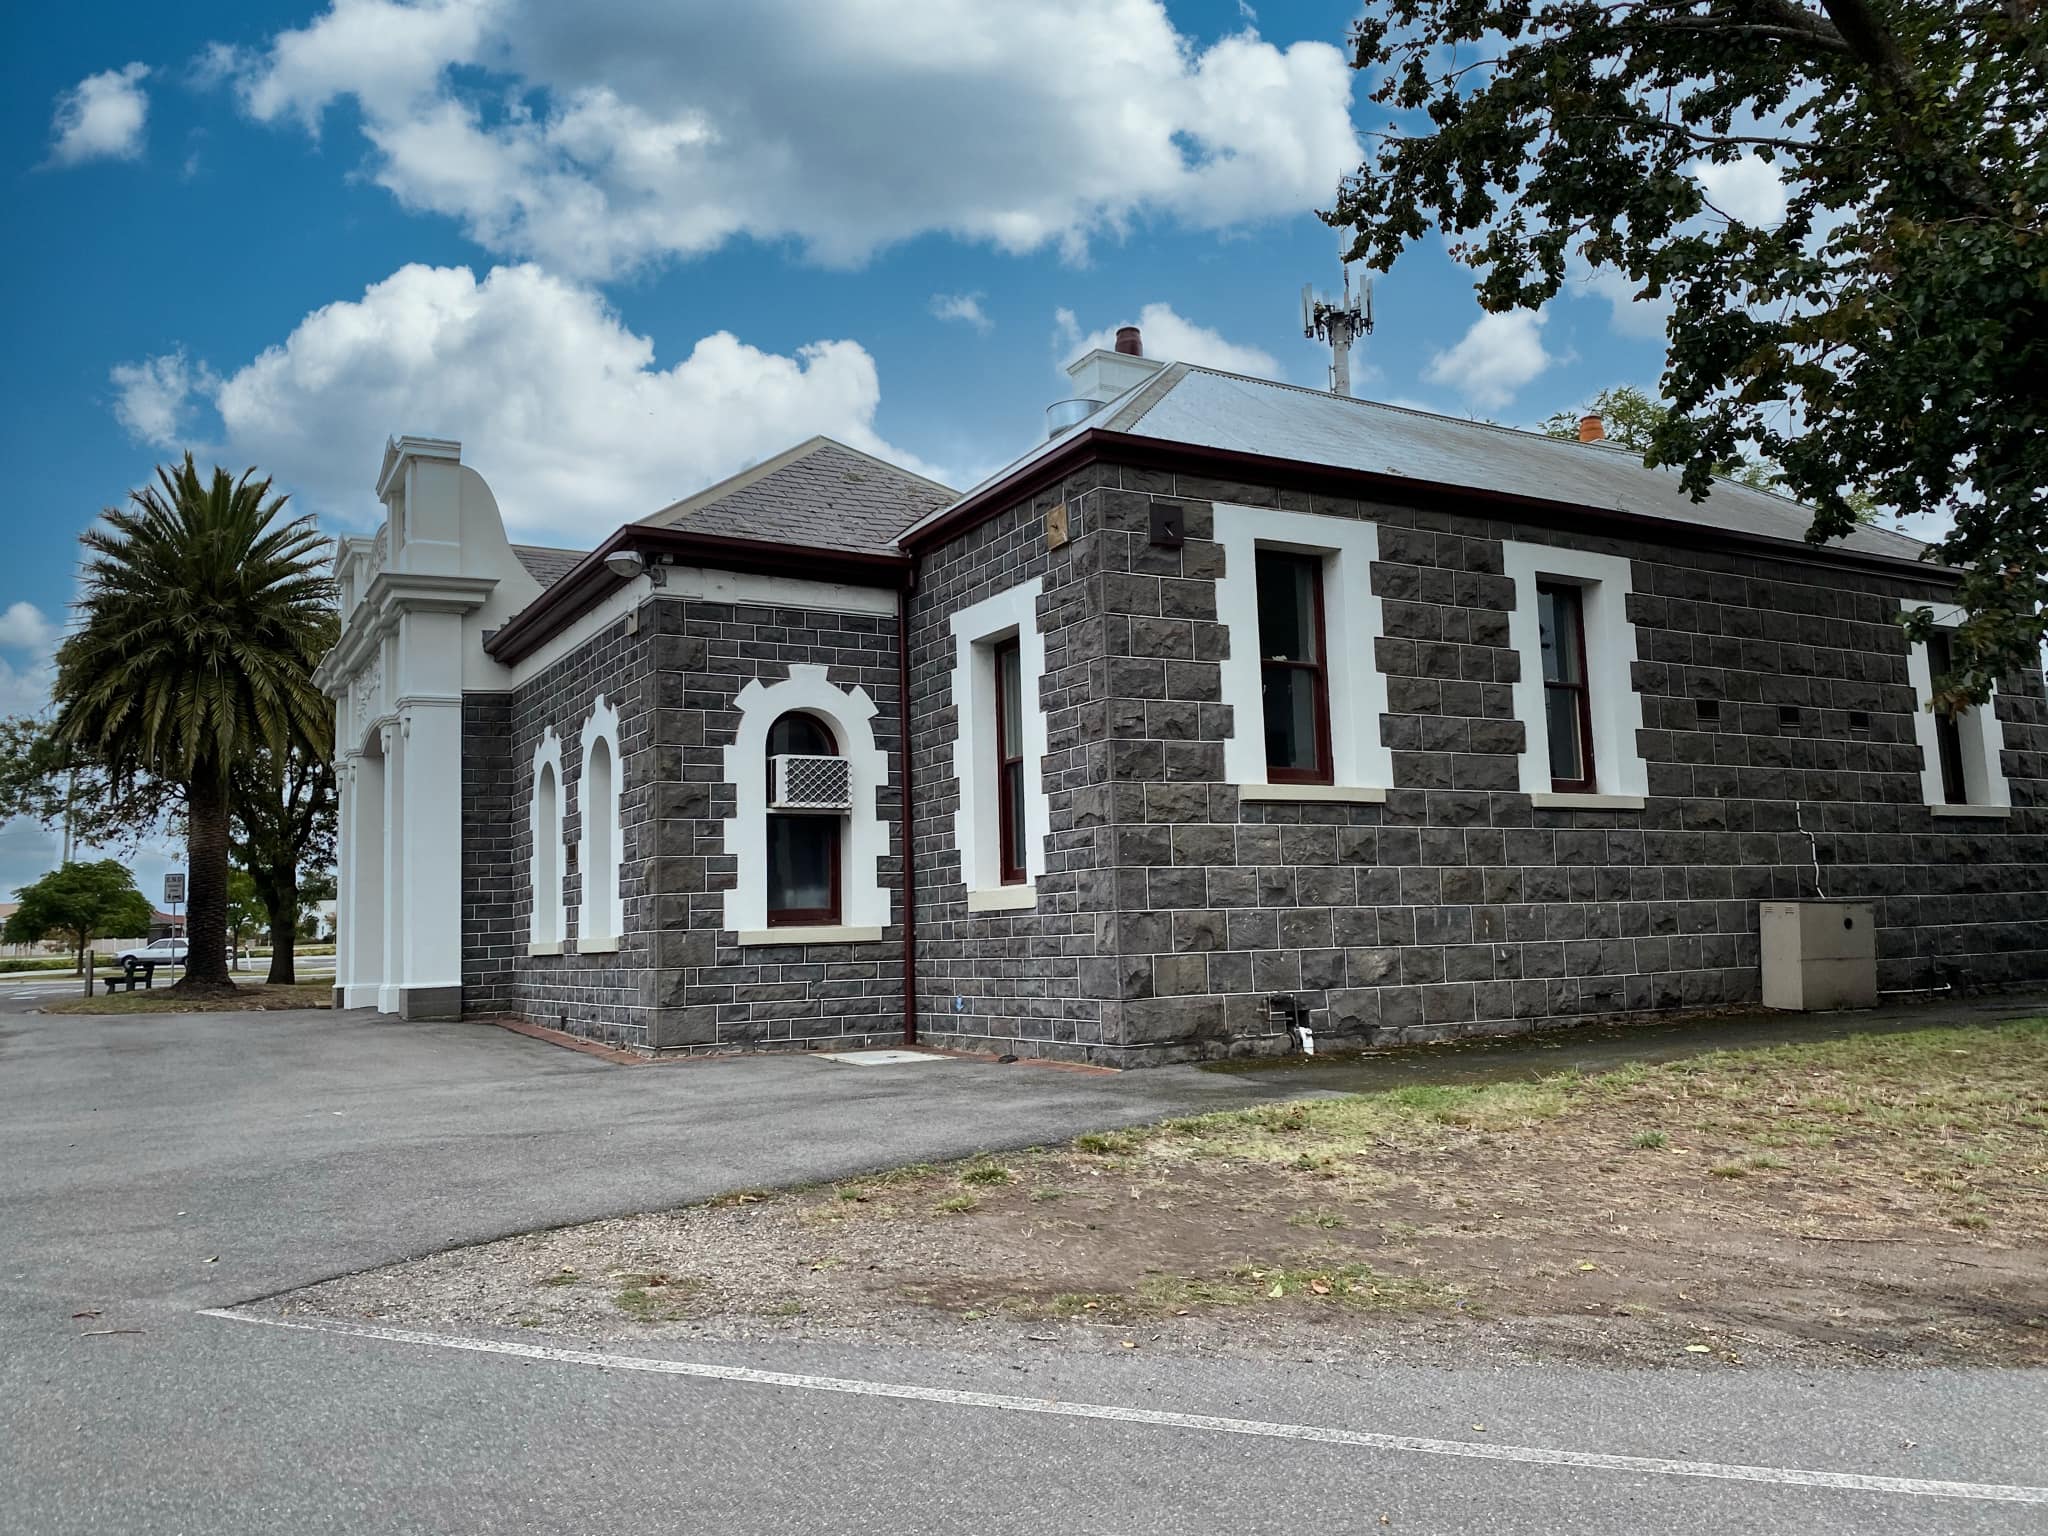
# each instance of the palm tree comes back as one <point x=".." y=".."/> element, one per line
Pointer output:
<point x="204" y="612"/>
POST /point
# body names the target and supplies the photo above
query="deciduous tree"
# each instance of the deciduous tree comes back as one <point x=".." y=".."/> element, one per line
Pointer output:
<point x="1885" y="337"/>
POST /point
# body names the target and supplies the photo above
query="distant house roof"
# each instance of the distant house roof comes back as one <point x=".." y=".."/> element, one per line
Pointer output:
<point x="820" y="494"/>
<point x="1206" y="409"/>
<point x="546" y="564"/>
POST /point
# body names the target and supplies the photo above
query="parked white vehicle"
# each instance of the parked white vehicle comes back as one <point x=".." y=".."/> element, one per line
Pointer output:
<point x="155" y="952"/>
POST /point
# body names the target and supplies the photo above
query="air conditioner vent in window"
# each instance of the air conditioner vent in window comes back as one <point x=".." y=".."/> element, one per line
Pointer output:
<point x="797" y="783"/>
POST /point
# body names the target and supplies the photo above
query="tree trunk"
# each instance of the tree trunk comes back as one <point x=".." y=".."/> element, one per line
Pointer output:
<point x="284" y="937"/>
<point x="206" y="867"/>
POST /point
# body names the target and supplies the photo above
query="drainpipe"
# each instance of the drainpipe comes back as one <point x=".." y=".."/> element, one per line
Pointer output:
<point x="904" y="837"/>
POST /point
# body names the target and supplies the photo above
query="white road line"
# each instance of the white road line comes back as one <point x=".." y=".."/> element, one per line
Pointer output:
<point x="1792" y="1477"/>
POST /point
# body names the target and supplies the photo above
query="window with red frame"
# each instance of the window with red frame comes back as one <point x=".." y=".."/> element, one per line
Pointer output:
<point x="803" y="847"/>
<point x="1010" y="760"/>
<point x="1294" y="673"/>
<point x="1567" y="697"/>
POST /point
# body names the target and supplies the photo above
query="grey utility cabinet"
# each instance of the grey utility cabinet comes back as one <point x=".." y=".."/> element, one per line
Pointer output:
<point x="1819" y="955"/>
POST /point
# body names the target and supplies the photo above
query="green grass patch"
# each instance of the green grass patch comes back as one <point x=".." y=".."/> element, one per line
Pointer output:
<point x="984" y="1171"/>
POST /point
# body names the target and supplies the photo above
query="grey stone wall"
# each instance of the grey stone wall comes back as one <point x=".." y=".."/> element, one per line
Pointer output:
<point x="678" y="981"/>
<point x="1034" y="982"/>
<point x="605" y="996"/>
<point x="712" y="992"/>
<point x="1459" y="907"/>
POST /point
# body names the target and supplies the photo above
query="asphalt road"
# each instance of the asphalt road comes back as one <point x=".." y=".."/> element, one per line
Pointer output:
<point x="153" y="1168"/>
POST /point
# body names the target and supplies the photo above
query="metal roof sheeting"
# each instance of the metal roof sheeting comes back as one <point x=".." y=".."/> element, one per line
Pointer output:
<point x="1204" y="408"/>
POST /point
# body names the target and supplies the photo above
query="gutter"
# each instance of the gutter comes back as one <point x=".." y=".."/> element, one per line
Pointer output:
<point x="590" y="580"/>
<point x="908" y="813"/>
<point x="1096" y="443"/>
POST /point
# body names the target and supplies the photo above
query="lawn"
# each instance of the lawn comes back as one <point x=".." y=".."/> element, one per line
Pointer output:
<point x="1874" y="1198"/>
<point x="247" y="996"/>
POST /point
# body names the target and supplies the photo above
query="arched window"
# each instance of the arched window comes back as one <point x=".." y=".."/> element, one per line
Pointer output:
<point x="598" y="800"/>
<point x="547" y="858"/>
<point x="803" y="846"/>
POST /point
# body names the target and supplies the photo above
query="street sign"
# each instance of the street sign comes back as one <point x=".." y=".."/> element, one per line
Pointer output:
<point x="174" y="888"/>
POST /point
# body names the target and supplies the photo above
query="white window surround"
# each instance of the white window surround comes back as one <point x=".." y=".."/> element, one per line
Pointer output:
<point x="1620" y="774"/>
<point x="1978" y="732"/>
<point x="863" y="901"/>
<point x="544" y="870"/>
<point x="1360" y="764"/>
<point x="977" y="630"/>
<point x="600" y="848"/>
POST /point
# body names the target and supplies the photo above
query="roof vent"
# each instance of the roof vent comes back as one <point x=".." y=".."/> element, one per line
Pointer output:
<point x="1129" y="341"/>
<point x="1063" y="416"/>
<point x="1591" y="429"/>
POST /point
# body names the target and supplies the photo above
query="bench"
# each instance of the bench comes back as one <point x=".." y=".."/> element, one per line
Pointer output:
<point x="144" y="972"/>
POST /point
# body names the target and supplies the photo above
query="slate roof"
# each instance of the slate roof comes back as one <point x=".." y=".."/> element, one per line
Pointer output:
<point x="820" y="494"/>
<point x="546" y="564"/>
<point x="1206" y="408"/>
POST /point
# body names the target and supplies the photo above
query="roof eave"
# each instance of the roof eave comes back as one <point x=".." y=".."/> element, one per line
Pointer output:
<point x="1094" y="444"/>
<point x="590" y="580"/>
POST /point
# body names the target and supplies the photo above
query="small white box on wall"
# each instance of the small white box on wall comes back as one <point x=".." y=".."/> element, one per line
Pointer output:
<point x="1819" y="955"/>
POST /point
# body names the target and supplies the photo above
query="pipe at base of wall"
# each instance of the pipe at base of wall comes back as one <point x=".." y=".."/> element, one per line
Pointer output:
<point x="903" y="834"/>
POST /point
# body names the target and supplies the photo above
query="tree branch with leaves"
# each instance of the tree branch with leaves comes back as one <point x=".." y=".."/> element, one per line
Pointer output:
<point x="1882" y="344"/>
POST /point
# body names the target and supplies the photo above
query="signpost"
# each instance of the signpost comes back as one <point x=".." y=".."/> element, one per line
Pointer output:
<point x="174" y="896"/>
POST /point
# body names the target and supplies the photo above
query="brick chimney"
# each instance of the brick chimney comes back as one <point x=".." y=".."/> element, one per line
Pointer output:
<point x="1129" y="342"/>
<point x="1590" y="429"/>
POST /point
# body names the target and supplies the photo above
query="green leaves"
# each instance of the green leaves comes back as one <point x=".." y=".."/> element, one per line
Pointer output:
<point x="1882" y="344"/>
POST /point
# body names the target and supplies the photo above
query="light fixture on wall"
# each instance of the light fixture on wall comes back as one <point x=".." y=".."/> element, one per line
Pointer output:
<point x="628" y="563"/>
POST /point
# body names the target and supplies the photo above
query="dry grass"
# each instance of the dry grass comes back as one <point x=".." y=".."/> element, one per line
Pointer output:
<point x="245" y="997"/>
<point x="1875" y="1197"/>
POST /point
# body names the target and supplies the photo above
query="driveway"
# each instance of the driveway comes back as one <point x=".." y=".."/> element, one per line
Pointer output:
<point x="153" y="1168"/>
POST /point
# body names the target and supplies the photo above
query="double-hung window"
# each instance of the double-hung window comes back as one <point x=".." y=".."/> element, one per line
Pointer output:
<point x="1009" y="724"/>
<point x="1567" y="695"/>
<point x="1293" y="667"/>
<point x="803" y="847"/>
<point x="1961" y="771"/>
<point x="1575" y="687"/>
<point x="1948" y="728"/>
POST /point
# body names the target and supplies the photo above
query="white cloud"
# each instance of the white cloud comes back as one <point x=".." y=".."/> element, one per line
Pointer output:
<point x="965" y="307"/>
<point x="1749" y="190"/>
<point x="1496" y="357"/>
<point x="24" y="628"/>
<point x="1171" y="338"/>
<point x="562" y="408"/>
<point x="1644" y="318"/>
<point x="154" y="396"/>
<point x="608" y="137"/>
<point x="25" y="676"/>
<point x="101" y="118"/>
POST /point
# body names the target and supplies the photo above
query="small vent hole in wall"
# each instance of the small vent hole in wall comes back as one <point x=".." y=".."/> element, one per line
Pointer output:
<point x="1859" y="719"/>
<point x="1710" y="710"/>
<point x="1788" y="714"/>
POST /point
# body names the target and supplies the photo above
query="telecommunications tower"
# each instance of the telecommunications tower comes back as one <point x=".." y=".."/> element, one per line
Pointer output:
<point x="1339" y="323"/>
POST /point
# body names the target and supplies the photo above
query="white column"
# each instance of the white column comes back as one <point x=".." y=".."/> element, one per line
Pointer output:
<point x="433" y="860"/>
<point x="391" y="972"/>
<point x="359" y="960"/>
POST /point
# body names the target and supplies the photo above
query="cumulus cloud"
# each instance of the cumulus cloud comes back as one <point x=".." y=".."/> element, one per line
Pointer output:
<point x="561" y="407"/>
<point x="1170" y="337"/>
<point x="153" y="397"/>
<point x="1749" y="190"/>
<point x="1494" y="358"/>
<point x="101" y="118"/>
<point x="24" y="628"/>
<point x="964" y="307"/>
<point x="609" y="137"/>
<point x="28" y="641"/>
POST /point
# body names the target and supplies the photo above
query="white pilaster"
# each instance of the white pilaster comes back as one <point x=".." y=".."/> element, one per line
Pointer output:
<point x="359" y="960"/>
<point x="390" y="974"/>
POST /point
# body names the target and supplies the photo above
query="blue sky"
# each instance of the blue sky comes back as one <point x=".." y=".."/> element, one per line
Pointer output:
<point x="623" y="249"/>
